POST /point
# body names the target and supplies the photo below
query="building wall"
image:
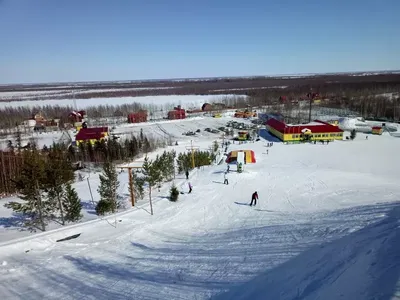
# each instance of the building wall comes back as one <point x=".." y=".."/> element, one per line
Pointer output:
<point x="327" y="136"/>
<point x="275" y="132"/>
<point x="290" y="137"/>
<point x="92" y="141"/>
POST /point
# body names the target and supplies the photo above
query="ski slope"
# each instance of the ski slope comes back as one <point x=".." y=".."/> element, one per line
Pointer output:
<point x="326" y="227"/>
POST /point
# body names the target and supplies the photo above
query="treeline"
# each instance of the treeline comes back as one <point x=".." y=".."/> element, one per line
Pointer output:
<point x="12" y="159"/>
<point x="44" y="186"/>
<point x="359" y="93"/>
<point x="13" y="116"/>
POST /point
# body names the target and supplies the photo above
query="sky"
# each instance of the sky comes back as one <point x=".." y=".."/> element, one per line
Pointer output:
<point x="99" y="40"/>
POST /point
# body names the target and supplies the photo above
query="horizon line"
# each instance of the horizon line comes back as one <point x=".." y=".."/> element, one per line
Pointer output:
<point x="203" y="78"/>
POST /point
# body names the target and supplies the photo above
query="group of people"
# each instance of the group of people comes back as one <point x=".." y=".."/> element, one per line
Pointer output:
<point x="254" y="196"/>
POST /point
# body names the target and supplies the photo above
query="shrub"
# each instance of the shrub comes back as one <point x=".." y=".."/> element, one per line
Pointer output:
<point x="173" y="193"/>
<point x="103" y="207"/>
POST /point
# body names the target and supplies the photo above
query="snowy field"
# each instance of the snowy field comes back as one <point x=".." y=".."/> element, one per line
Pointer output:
<point x="326" y="227"/>
<point x="186" y="101"/>
<point x="48" y="94"/>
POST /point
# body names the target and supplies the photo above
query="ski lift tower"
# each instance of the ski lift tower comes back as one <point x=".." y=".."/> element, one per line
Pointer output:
<point x="192" y="149"/>
<point x="130" y="167"/>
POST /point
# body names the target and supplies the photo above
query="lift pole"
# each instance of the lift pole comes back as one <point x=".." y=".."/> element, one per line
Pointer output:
<point x="132" y="194"/>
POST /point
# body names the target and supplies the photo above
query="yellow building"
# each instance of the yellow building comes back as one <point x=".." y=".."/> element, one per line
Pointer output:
<point x="314" y="131"/>
<point x="91" y="135"/>
<point x="377" y="130"/>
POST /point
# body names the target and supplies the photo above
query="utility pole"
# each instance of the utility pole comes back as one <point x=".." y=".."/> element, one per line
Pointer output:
<point x="192" y="149"/>
<point x="311" y="99"/>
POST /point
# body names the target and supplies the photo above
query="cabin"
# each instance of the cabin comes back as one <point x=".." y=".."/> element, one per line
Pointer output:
<point x="177" y="113"/>
<point x="138" y="117"/>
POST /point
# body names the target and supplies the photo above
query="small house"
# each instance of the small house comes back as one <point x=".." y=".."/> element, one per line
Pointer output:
<point x="177" y="113"/>
<point x="138" y="117"/>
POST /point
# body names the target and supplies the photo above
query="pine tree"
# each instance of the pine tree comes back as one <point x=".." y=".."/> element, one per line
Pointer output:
<point x="173" y="193"/>
<point x="58" y="172"/>
<point x="152" y="175"/>
<point x="31" y="190"/>
<point x="138" y="186"/>
<point x="72" y="204"/>
<point x="109" y="185"/>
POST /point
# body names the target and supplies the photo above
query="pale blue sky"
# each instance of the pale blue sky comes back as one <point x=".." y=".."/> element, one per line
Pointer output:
<point x="90" y="40"/>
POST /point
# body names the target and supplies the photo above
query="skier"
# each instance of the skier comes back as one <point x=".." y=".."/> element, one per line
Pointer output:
<point x="254" y="198"/>
<point x="187" y="174"/>
<point x="190" y="187"/>
<point x="226" y="178"/>
<point x="227" y="170"/>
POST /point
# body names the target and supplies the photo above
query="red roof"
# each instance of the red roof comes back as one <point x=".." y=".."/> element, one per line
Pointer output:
<point x="94" y="133"/>
<point x="316" y="127"/>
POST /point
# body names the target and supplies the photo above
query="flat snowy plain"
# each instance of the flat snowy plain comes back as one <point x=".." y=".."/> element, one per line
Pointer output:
<point x="326" y="227"/>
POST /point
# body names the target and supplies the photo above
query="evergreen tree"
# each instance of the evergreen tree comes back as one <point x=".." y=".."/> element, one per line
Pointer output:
<point x="109" y="185"/>
<point x="58" y="172"/>
<point x="173" y="193"/>
<point x="31" y="190"/>
<point x="18" y="138"/>
<point x="152" y="175"/>
<point x="72" y="204"/>
<point x="138" y="186"/>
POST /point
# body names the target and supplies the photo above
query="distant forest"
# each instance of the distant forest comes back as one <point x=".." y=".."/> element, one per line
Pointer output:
<point x="363" y="94"/>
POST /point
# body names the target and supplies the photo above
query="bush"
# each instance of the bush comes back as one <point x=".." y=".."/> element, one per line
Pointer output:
<point x="103" y="207"/>
<point x="173" y="193"/>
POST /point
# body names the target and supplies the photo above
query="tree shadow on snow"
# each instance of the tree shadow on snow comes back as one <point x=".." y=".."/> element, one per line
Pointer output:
<point x="16" y="221"/>
<point x="89" y="207"/>
<point x="364" y="264"/>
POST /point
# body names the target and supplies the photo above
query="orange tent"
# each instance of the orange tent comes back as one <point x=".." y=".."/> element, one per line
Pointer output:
<point x="249" y="156"/>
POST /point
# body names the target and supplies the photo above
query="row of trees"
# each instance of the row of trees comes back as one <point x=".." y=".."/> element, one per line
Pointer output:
<point x="12" y="162"/>
<point x="352" y="92"/>
<point x="42" y="178"/>
<point x="152" y="174"/>
<point x="44" y="186"/>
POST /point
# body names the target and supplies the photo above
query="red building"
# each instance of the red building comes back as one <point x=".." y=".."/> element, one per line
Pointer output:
<point x="138" y="117"/>
<point x="177" y="113"/>
<point x="316" y="130"/>
<point x="91" y="135"/>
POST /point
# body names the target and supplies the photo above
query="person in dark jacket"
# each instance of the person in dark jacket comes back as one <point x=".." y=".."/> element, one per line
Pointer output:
<point x="187" y="174"/>
<point x="226" y="178"/>
<point x="254" y="198"/>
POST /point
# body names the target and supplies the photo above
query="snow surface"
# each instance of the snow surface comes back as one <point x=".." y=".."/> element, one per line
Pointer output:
<point x="186" y="101"/>
<point x="326" y="227"/>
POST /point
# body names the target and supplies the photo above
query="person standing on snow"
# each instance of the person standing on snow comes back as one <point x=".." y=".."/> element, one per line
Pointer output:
<point x="187" y="174"/>
<point x="226" y="178"/>
<point x="190" y="187"/>
<point x="254" y="198"/>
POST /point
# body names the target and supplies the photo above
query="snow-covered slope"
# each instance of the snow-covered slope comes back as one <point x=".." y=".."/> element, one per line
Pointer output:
<point x="326" y="227"/>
